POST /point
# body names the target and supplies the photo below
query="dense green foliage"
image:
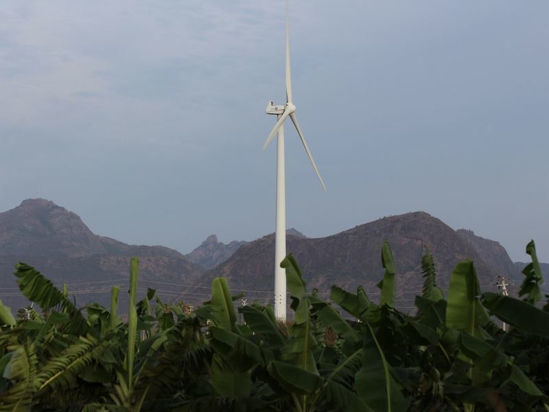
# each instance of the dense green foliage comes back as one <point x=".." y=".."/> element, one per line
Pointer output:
<point x="346" y="354"/>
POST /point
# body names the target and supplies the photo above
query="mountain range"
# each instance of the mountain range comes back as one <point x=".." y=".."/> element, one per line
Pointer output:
<point x="59" y="244"/>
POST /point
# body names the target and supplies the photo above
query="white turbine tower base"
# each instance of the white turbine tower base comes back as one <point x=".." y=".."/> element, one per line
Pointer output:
<point x="283" y="112"/>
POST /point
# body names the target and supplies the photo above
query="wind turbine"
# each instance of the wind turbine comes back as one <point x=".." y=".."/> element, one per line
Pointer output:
<point x="283" y="112"/>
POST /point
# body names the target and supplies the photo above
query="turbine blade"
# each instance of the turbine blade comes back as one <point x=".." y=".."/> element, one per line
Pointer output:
<point x="277" y="126"/>
<point x="288" y="72"/>
<point x="294" y="120"/>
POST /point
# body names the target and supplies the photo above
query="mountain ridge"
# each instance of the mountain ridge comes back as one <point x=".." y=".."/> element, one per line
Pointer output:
<point x="352" y="257"/>
<point x="59" y="244"/>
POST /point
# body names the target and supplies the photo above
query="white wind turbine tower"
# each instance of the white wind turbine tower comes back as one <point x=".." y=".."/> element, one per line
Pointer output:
<point x="283" y="112"/>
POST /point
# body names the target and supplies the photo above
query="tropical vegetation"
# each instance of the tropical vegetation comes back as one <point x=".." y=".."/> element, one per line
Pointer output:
<point x="346" y="354"/>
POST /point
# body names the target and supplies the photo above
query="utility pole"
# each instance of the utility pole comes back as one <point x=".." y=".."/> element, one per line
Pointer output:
<point x="502" y="286"/>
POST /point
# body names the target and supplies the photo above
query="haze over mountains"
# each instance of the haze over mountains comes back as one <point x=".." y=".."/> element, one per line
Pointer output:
<point x="59" y="244"/>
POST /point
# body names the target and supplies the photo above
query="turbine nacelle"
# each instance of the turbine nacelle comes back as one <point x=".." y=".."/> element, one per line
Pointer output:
<point x="279" y="109"/>
<point x="274" y="109"/>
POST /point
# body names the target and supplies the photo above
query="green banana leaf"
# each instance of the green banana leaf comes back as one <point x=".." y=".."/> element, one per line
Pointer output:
<point x="523" y="382"/>
<point x="132" y="320"/>
<point x="331" y="318"/>
<point x="430" y="289"/>
<point x="387" y="285"/>
<point x="262" y="322"/>
<point x="300" y="346"/>
<point x="294" y="280"/>
<point x="296" y="286"/>
<point x="486" y="358"/>
<point x="21" y="371"/>
<point x="348" y="301"/>
<point x="223" y="313"/>
<point x="337" y="391"/>
<point x="294" y="378"/>
<point x="60" y="372"/>
<point x="534" y="278"/>
<point x="517" y="313"/>
<point x="229" y="383"/>
<point x="374" y="382"/>
<point x="343" y="399"/>
<point x="6" y="317"/>
<point x="239" y="351"/>
<point x="464" y="310"/>
<point x="357" y="305"/>
<point x="114" y="320"/>
<point x="35" y="287"/>
<point x="431" y="313"/>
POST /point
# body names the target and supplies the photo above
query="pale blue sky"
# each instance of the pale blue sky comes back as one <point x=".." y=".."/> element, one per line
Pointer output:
<point x="147" y="117"/>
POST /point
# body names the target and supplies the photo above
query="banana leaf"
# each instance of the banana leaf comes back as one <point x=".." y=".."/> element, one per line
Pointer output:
<point x="430" y="289"/>
<point x="294" y="378"/>
<point x="374" y="382"/>
<point x="348" y="301"/>
<point x="357" y="305"/>
<point x="132" y="321"/>
<point x="387" y="285"/>
<point x="519" y="314"/>
<point x="464" y="310"/>
<point x="21" y="372"/>
<point x="331" y="318"/>
<point x="263" y="324"/>
<point x="518" y="377"/>
<point x="6" y="317"/>
<point x="533" y="277"/>
<point x="340" y="398"/>
<point x="114" y="320"/>
<point x="229" y="383"/>
<point x="300" y="345"/>
<point x="235" y="349"/>
<point x="486" y="358"/>
<point x="294" y="280"/>
<point x="61" y="371"/>
<point x="223" y="313"/>
<point x="35" y="287"/>
<point x="431" y="313"/>
<point x="296" y="286"/>
<point x="337" y="391"/>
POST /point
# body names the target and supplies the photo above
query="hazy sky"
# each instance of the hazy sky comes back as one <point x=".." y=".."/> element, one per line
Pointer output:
<point x="147" y="117"/>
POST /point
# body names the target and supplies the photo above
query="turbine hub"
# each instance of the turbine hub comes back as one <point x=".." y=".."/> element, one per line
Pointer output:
<point x="291" y="107"/>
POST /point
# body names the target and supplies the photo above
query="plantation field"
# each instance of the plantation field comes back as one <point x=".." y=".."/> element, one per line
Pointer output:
<point x="462" y="349"/>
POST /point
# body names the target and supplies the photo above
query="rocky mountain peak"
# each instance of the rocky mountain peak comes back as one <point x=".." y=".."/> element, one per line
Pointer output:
<point x="41" y="226"/>
<point x="210" y="240"/>
<point x="212" y="252"/>
<point x="38" y="203"/>
<point x="294" y="232"/>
